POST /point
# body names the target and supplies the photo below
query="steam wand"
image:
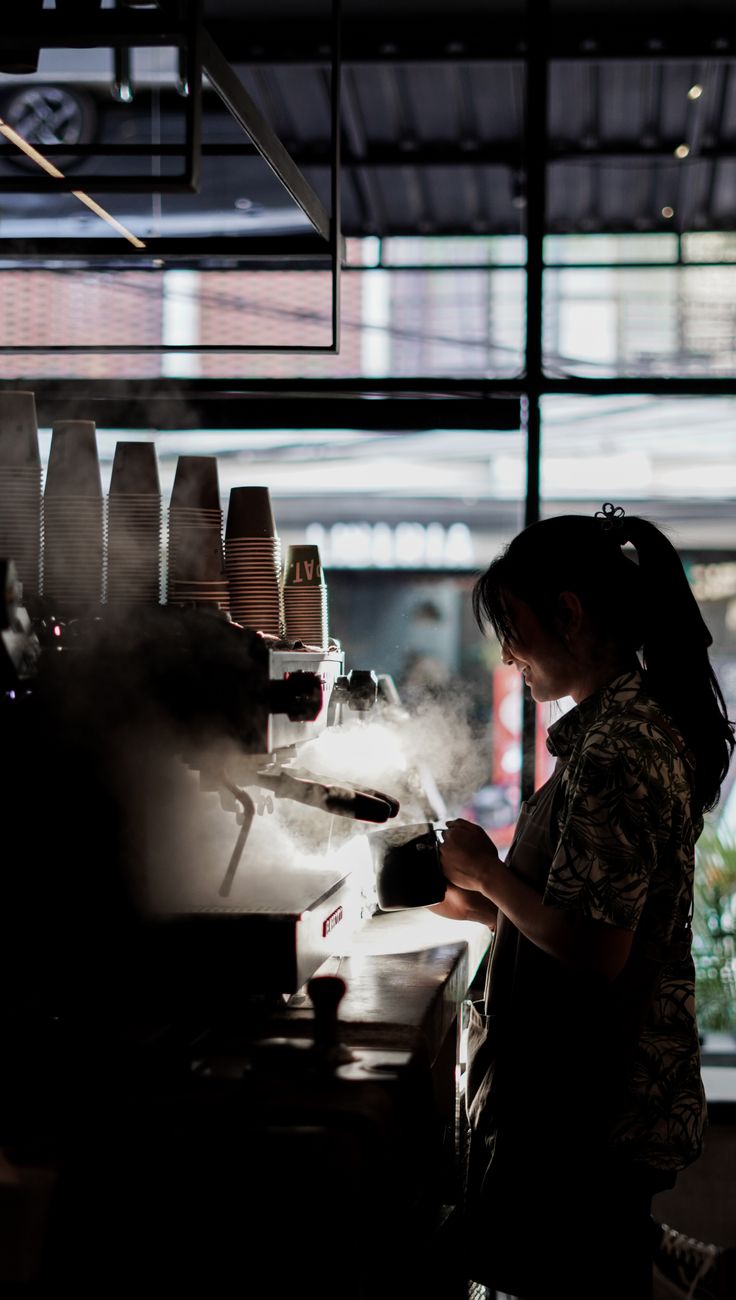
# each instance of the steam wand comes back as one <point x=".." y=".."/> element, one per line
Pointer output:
<point x="363" y="805"/>
<point x="249" y="810"/>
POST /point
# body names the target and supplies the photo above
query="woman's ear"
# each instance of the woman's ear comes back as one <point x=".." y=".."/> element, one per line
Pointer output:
<point x="569" y="617"/>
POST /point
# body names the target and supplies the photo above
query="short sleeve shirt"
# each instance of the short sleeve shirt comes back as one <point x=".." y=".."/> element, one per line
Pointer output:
<point x="611" y="836"/>
<point x="626" y="837"/>
<point x="625" y="856"/>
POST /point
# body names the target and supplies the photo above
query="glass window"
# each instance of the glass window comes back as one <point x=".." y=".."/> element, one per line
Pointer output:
<point x="671" y="461"/>
<point x="464" y="317"/>
<point x="608" y="250"/>
<point x="404" y="523"/>
<point x="655" y="320"/>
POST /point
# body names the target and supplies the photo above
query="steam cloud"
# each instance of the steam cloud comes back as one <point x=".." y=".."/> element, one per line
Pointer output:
<point x="434" y="746"/>
<point x="432" y="760"/>
<point x="171" y="821"/>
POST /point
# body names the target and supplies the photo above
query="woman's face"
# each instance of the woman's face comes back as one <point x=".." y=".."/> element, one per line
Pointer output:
<point x="540" y="656"/>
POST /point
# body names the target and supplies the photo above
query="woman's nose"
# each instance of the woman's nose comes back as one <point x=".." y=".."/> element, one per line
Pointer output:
<point x="506" y="655"/>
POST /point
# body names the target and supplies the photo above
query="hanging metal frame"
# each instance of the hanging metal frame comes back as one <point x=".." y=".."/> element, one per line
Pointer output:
<point x="118" y="30"/>
<point x="325" y="249"/>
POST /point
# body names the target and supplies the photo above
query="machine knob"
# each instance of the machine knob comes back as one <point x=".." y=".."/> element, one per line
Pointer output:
<point x="340" y="691"/>
<point x="363" y="688"/>
<point x="299" y="696"/>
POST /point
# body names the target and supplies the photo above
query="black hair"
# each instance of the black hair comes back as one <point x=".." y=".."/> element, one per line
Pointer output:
<point x="645" y="606"/>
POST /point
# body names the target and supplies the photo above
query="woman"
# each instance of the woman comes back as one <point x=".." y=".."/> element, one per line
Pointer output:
<point x="584" y="1087"/>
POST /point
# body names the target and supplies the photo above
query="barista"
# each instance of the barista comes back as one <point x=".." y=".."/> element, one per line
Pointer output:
<point x="584" y="1087"/>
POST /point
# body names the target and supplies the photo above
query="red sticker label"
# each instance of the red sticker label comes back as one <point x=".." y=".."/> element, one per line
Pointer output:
<point x="331" y="921"/>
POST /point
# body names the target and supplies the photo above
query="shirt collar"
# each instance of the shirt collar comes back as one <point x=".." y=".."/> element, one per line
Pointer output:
<point x="615" y="697"/>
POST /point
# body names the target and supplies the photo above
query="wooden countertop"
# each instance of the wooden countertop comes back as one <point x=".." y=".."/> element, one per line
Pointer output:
<point x="406" y="975"/>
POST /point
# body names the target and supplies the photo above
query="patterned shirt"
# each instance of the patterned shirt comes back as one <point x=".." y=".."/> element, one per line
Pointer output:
<point x="625" y="856"/>
<point x="560" y="1062"/>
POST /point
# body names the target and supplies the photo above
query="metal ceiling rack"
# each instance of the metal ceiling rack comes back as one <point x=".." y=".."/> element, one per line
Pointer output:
<point x="121" y="30"/>
<point x="180" y="25"/>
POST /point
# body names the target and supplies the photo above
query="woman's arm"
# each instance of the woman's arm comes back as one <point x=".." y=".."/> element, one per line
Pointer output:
<point x="470" y="861"/>
<point x="466" y="905"/>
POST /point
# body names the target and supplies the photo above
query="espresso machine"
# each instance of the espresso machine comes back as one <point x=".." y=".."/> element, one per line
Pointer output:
<point x="182" y="1104"/>
<point x="236" y="861"/>
<point x="257" y="865"/>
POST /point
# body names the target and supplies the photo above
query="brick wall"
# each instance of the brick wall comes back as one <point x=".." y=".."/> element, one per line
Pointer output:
<point x="67" y="307"/>
<point x="46" y="307"/>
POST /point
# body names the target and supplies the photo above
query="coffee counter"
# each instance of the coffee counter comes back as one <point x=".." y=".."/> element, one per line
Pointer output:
<point x="406" y="975"/>
<point x="260" y="1140"/>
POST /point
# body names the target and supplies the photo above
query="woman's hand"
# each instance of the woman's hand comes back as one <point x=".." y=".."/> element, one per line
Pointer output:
<point x="468" y="856"/>
<point x="466" y="905"/>
<point x="470" y="862"/>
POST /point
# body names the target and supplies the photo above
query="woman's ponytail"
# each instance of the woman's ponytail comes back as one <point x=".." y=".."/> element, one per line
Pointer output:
<point x="647" y="607"/>
<point x="674" y="646"/>
<point x="670" y="607"/>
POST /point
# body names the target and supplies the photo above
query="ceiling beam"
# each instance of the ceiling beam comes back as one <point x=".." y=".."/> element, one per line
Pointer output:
<point x="156" y="404"/>
<point x="388" y="37"/>
<point x="467" y="153"/>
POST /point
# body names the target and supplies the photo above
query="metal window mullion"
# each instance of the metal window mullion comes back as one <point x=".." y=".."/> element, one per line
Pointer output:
<point x="193" y="104"/>
<point x="336" y="241"/>
<point x="717" y="122"/>
<point x="535" y="161"/>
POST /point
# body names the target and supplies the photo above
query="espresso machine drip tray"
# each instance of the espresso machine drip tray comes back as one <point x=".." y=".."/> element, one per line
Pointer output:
<point x="236" y="952"/>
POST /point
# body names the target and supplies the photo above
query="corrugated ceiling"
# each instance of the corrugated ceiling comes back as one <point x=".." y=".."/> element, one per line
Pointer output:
<point x="433" y="118"/>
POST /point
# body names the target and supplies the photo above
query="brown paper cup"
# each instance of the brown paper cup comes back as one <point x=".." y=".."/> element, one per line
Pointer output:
<point x="249" y="513"/>
<point x="196" y="484"/>
<point x="18" y="429"/>
<point x="74" y="465"/>
<point x="303" y="567"/>
<point x="134" y="470"/>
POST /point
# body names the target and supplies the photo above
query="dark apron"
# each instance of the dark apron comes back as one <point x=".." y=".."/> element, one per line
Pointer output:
<point x="549" y="1052"/>
<point x="511" y="984"/>
<point x="542" y="1067"/>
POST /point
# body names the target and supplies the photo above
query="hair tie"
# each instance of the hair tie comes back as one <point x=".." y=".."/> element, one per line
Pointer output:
<point x="611" y="517"/>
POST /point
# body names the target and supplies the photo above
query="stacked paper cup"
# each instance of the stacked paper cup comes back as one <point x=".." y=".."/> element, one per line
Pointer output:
<point x="196" y="569"/>
<point x="253" y="560"/>
<point x="305" y="596"/>
<point x="134" y="526"/>
<point x="20" y="487"/>
<point x="73" y="518"/>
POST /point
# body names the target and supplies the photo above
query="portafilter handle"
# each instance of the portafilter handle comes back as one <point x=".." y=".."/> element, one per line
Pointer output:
<point x="343" y="801"/>
<point x="393" y="803"/>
